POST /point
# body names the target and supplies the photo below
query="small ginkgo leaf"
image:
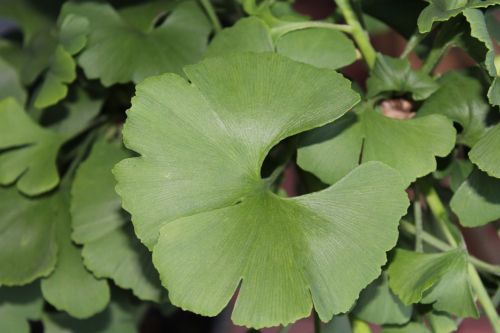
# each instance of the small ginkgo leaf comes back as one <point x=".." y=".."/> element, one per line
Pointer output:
<point x="335" y="149"/>
<point x="494" y="92"/>
<point x="10" y="83"/>
<point x="70" y="287"/>
<point x="485" y="153"/>
<point x="377" y="304"/>
<point x="110" y="248"/>
<point x="118" y="51"/>
<point x="441" y="322"/>
<point x="32" y="151"/>
<point x="461" y="98"/>
<point x="477" y="200"/>
<point x="443" y="10"/>
<point x="196" y="192"/>
<point x="18" y="305"/>
<point x="61" y="72"/>
<point x="29" y="151"/>
<point x="395" y="75"/>
<point x="27" y="237"/>
<point x="324" y="48"/>
<point x="439" y="278"/>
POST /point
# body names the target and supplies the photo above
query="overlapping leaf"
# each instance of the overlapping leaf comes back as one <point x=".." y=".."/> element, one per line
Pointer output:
<point x="485" y="153"/>
<point x="461" y="98"/>
<point x="323" y="48"/>
<point x="377" y="304"/>
<point x="30" y="151"/>
<point x="18" y="305"/>
<point x="196" y="192"/>
<point x="410" y="146"/>
<point x="395" y="75"/>
<point x="120" y="51"/>
<point x="10" y="83"/>
<point x="441" y="279"/>
<point x="110" y="248"/>
<point x="443" y="10"/>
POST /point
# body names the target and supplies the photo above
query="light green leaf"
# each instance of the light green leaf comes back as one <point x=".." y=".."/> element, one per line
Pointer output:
<point x="17" y="306"/>
<point x="478" y="30"/>
<point x="119" y="317"/>
<point x="409" y="146"/>
<point x="73" y="33"/>
<point x="61" y="72"/>
<point x="70" y="287"/>
<point x="461" y="98"/>
<point x="443" y="10"/>
<point x="441" y="279"/>
<point x="118" y="52"/>
<point x="110" y="248"/>
<point x="442" y="322"/>
<point x="485" y="154"/>
<point x="494" y="92"/>
<point x="10" y="84"/>
<point x="322" y="48"/>
<point x="144" y="15"/>
<point x="377" y="304"/>
<point x="396" y="75"/>
<point x="477" y="200"/>
<point x="27" y="237"/>
<point x="197" y="184"/>
<point x="410" y="328"/>
<point x="247" y="35"/>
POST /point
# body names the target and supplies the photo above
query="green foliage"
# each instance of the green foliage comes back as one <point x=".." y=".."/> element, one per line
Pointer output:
<point x="145" y="148"/>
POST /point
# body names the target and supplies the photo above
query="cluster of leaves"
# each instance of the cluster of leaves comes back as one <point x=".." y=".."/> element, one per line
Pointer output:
<point x="214" y="108"/>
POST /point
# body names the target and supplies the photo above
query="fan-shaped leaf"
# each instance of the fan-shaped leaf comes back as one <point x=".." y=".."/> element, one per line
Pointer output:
<point x="441" y="279"/>
<point x="110" y="248"/>
<point x="10" y="84"/>
<point x="18" y="305"/>
<point x="197" y="186"/>
<point x="331" y="151"/>
<point x="118" y="51"/>
<point x="485" y="154"/>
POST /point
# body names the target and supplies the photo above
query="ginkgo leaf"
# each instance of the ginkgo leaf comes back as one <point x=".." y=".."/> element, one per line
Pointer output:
<point x="110" y="248"/>
<point x="442" y="322"/>
<point x="409" y="328"/>
<point x="70" y="287"/>
<point x="324" y="48"/>
<point x="377" y="304"/>
<point x="30" y="151"/>
<point x="335" y="149"/>
<point x="196" y="192"/>
<point x="27" y="237"/>
<point x="443" y="10"/>
<point x="461" y="98"/>
<point x="477" y="200"/>
<point x="73" y="33"/>
<point x="118" y="51"/>
<point x="494" y="92"/>
<point x="439" y="278"/>
<point x="119" y="317"/>
<point x="395" y="75"/>
<point x="10" y="84"/>
<point x="18" y="305"/>
<point x="457" y="172"/>
<point x="485" y="153"/>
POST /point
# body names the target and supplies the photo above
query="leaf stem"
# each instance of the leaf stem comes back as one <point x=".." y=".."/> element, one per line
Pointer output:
<point x="414" y="40"/>
<point x="359" y="35"/>
<point x="484" y="299"/>
<point x="442" y="246"/>
<point x="419" y="226"/>
<point x="209" y="8"/>
<point x="440" y="213"/>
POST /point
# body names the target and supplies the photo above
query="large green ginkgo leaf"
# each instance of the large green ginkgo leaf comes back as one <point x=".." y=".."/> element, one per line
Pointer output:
<point x="461" y="98"/>
<point x="410" y="146"/>
<point x="196" y="192"/>
<point x="70" y="287"/>
<point x="477" y="200"/>
<point x="18" y="305"/>
<point x="110" y="248"/>
<point x="31" y="150"/>
<point x="485" y="154"/>
<point x="323" y="48"/>
<point x="119" y="51"/>
<point x="443" y="10"/>
<point x="439" y="278"/>
<point x="27" y="237"/>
